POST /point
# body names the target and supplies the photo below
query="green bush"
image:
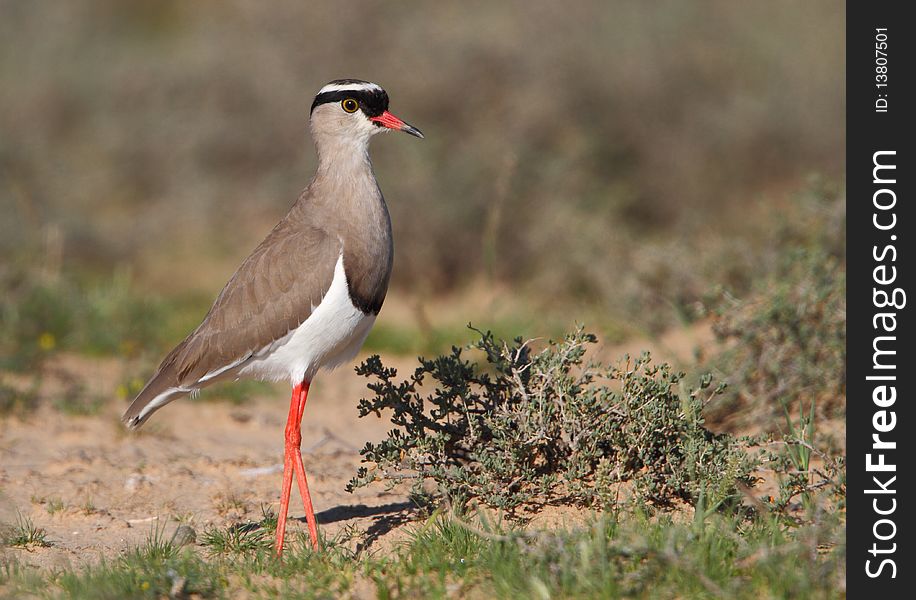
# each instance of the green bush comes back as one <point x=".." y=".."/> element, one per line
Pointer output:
<point x="532" y="428"/>
<point x="787" y="342"/>
<point x="785" y="334"/>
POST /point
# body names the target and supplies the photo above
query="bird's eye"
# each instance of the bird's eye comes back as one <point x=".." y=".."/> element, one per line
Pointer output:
<point x="350" y="105"/>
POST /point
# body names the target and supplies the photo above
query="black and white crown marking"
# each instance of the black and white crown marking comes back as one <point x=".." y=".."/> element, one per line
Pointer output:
<point x="373" y="100"/>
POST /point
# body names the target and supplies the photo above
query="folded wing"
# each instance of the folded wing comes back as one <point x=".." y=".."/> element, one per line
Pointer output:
<point x="274" y="291"/>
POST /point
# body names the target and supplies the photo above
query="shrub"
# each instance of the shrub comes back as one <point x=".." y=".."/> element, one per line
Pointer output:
<point x="788" y="340"/>
<point x="532" y="428"/>
<point x="785" y="335"/>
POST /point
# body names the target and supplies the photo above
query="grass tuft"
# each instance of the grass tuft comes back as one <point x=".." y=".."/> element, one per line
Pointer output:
<point x="25" y="534"/>
<point x="240" y="538"/>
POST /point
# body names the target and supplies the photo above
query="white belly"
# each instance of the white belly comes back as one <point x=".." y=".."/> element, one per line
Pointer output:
<point x="332" y="335"/>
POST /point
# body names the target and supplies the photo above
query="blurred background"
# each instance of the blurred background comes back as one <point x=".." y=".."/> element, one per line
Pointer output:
<point x="612" y="163"/>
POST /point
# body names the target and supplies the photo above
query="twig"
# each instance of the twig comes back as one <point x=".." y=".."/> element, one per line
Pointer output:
<point x="798" y="442"/>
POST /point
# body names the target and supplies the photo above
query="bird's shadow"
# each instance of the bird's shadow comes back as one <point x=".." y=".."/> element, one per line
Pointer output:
<point x="385" y="518"/>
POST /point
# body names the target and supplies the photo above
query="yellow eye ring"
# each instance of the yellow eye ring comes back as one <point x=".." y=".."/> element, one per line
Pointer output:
<point x="350" y="105"/>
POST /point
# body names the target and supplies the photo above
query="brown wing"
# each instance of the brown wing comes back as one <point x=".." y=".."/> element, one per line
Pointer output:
<point x="273" y="292"/>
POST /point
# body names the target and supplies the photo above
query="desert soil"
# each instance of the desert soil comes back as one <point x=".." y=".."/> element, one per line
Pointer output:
<point x="98" y="490"/>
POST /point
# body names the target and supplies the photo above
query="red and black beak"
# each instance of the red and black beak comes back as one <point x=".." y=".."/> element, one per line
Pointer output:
<point x="386" y="119"/>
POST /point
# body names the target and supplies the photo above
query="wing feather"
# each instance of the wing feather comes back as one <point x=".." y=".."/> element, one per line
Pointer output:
<point x="274" y="290"/>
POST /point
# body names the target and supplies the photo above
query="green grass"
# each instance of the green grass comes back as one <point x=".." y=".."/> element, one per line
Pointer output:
<point x="24" y="534"/>
<point x="55" y="505"/>
<point x="236" y="539"/>
<point x="88" y="507"/>
<point x="712" y="556"/>
<point x="77" y="311"/>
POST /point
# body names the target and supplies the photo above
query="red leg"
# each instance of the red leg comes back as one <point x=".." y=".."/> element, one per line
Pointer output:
<point x="292" y="461"/>
<point x="287" y="467"/>
<point x="300" y="473"/>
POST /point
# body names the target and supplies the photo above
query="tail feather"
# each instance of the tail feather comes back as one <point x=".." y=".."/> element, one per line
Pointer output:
<point x="159" y="391"/>
<point x="179" y="374"/>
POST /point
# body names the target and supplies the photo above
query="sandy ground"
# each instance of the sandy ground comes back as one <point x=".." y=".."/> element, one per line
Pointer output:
<point x="97" y="489"/>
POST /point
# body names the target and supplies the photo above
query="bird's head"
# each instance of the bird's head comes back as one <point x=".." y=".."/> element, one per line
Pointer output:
<point x="352" y="111"/>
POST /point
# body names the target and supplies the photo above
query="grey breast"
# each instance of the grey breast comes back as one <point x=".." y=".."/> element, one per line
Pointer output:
<point x="368" y="258"/>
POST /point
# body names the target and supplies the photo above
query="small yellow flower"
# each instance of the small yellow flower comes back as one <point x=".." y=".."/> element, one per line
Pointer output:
<point x="46" y="341"/>
<point x="144" y="586"/>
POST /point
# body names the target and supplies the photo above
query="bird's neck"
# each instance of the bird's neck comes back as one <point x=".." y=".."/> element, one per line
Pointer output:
<point x="342" y="156"/>
<point x="345" y="181"/>
<point x="344" y="176"/>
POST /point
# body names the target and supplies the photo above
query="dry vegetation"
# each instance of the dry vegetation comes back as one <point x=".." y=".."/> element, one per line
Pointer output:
<point x="527" y="428"/>
<point x="593" y="154"/>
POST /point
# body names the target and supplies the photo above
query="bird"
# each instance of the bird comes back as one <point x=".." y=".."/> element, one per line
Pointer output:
<point x="307" y="296"/>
